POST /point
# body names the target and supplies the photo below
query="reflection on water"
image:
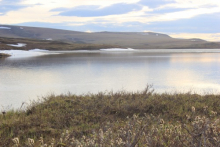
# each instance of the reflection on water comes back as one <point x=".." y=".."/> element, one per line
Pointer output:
<point x="25" y="79"/>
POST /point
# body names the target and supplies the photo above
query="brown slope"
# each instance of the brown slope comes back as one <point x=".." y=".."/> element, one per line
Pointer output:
<point x="46" y="44"/>
<point x="138" y="40"/>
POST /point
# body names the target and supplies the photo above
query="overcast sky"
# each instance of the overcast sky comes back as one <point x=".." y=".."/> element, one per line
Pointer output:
<point x="178" y="18"/>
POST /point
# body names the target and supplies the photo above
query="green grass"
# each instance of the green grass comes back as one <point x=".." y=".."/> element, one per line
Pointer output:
<point x="84" y="116"/>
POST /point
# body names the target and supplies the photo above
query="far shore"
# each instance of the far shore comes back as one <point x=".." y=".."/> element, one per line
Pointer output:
<point x="40" y="52"/>
<point x="3" y="55"/>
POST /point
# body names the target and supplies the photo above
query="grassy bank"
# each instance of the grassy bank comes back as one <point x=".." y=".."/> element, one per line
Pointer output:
<point x="3" y="55"/>
<point x="115" y="119"/>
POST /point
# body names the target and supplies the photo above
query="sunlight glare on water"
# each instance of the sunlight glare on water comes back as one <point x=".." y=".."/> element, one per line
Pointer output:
<point x="24" y="79"/>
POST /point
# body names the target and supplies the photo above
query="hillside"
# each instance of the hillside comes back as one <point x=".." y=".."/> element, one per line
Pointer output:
<point x="27" y="44"/>
<point x="137" y="40"/>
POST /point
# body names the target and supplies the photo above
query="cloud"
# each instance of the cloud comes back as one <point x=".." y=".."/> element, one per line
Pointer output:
<point x="168" y="16"/>
<point x="95" y="11"/>
<point x="191" y="4"/>
<point x="42" y="13"/>
<point x="143" y="15"/>
<point x="71" y="3"/>
<point x="6" y="8"/>
<point x="206" y="24"/>
<point x="107" y="11"/>
<point x="199" y="24"/>
<point x="154" y="3"/>
<point x="88" y="31"/>
<point x="10" y="2"/>
<point x="9" y="5"/>
<point x="28" y="14"/>
<point x="168" y="10"/>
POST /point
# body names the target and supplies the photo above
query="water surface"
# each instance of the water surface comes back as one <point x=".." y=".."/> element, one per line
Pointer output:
<point x="24" y="79"/>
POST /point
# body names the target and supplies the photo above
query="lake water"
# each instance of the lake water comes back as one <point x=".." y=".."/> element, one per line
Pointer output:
<point x="25" y="79"/>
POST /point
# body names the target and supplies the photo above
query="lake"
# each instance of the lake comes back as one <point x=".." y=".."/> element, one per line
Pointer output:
<point x="29" y="78"/>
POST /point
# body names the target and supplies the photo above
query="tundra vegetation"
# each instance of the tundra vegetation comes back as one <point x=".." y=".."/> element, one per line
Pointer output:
<point x="3" y="55"/>
<point x="49" y="45"/>
<point x="114" y="119"/>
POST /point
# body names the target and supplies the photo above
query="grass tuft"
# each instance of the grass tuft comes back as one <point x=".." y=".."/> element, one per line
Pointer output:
<point x="115" y="119"/>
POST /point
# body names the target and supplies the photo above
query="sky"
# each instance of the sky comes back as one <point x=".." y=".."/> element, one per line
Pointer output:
<point x="177" y="18"/>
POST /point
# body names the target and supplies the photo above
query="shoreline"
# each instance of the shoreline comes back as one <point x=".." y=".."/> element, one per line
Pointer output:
<point x="40" y="52"/>
<point x="4" y="55"/>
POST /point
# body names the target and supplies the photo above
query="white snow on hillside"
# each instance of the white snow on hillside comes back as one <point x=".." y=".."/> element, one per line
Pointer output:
<point x="38" y="50"/>
<point x="17" y="45"/>
<point x="117" y="49"/>
<point x="26" y="54"/>
<point x="7" y="28"/>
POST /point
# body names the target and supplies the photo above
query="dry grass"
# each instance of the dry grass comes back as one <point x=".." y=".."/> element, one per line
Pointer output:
<point x="3" y="55"/>
<point x="115" y="119"/>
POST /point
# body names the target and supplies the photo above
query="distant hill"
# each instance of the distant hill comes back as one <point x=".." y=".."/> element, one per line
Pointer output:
<point x="27" y="44"/>
<point x="136" y="40"/>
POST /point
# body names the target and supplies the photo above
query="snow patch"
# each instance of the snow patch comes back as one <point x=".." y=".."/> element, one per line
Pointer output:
<point x="7" y="28"/>
<point x="26" y="54"/>
<point x="38" y="50"/>
<point x="17" y="45"/>
<point x="88" y="31"/>
<point x="117" y="49"/>
<point x="49" y="39"/>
